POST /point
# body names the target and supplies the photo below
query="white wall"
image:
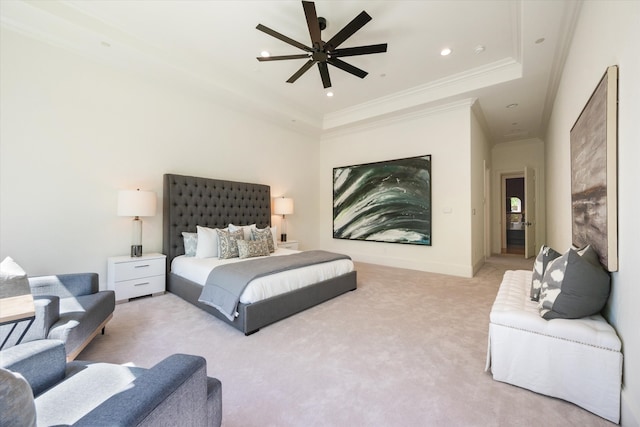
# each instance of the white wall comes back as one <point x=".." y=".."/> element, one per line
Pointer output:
<point x="444" y="134"/>
<point x="606" y="34"/>
<point x="74" y="132"/>
<point x="512" y="157"/>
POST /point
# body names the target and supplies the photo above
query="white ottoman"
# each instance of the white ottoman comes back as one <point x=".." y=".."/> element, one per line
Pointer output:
<point x="578" y="360"/>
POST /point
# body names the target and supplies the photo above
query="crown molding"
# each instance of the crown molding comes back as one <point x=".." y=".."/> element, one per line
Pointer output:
<point x="457" y="84"/>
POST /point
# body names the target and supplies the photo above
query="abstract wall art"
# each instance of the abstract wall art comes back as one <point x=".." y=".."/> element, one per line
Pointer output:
<point x="593" y="140"/>
<point x="387" y="201"/>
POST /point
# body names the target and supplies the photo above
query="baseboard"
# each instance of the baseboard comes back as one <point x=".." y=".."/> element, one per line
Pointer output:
<point x="629" y="414"/>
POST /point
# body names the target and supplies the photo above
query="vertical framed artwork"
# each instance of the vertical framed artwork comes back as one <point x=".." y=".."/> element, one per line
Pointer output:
<point x="387" y="201"/>
<point x="593" y="141"/>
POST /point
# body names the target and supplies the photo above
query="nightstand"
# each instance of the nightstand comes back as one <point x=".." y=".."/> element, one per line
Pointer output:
<point x="135" y="277"/>
<point x="289" y="244"/>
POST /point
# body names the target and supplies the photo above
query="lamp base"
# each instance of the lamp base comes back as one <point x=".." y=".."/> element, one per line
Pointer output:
<point x="136" y="251"/>
<point x="283" y="237"/>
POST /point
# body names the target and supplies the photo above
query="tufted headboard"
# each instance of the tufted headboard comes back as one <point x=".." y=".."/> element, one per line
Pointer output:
<point x="190" y="201"/>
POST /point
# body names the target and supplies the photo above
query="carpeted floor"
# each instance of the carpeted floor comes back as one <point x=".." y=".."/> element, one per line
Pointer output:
<point x="407" y="348"/>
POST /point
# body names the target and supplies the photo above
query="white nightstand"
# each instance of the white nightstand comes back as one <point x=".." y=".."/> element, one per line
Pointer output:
<point x="135" y="277"/>
<point x="289" y="244"/>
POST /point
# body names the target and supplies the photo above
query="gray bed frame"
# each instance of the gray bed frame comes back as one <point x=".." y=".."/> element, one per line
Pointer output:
<point x="190" y="201"/>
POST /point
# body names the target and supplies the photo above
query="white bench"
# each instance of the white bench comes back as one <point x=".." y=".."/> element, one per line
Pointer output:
<point x="578" y="360"/>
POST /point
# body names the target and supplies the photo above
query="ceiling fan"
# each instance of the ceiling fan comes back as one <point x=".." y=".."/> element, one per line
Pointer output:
<point x="323" y="53"/>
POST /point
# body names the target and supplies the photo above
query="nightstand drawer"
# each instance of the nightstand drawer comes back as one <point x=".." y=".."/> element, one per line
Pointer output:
<point x="136" y="269"/>
<point x="291" y="244"/>
<point x="139" y="287"/>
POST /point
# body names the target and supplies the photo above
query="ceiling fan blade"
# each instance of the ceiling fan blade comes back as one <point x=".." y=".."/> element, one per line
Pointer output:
<point x="281" y="57"/>
<point x="312" y="22"/>
<point x="324" y="74"/>
<point x="348" y="30"/>
<point x="347" y="67"/>
<point x="301" y="71"/>
<point x="360" y="50"/>
<point x="282" y="37"/>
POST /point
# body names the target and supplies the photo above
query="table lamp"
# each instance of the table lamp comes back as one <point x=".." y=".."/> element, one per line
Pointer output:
<point x="283" y="206"/>
<point x="136" y="203"/>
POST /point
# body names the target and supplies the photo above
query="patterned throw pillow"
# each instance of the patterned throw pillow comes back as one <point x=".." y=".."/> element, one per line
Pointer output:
<point x="252" y="248"/>
<point x="246" y="229"/>
<point x="545" y="256"/>
<point x="264" y="233"/>
<point x="574" y="286"/>
<point x="190" y="243"/>
<point x="227" y="243"/>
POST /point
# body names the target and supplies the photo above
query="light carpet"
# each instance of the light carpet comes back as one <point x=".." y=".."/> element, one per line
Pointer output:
<point x="407" y="348"/>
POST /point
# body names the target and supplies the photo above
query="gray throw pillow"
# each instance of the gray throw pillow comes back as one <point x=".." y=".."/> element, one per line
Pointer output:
<point x="190" y="243"/>
<point x="252" y="248"/>
<point x="545" y="256"/>
<point x="264" y="233"/>
<point x="17" y="407"/>
<point x="227" y="243"/>
<point x="574" y="286"/>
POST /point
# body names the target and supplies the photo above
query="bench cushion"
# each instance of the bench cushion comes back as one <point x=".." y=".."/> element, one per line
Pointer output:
<point x="578" y="360"/>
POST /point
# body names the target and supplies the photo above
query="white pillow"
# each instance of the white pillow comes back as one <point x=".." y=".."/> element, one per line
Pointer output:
<point x="274" y="233"/>
<point x="246" y="229"/>
<point x="207" y="243"/>
<point x="13" y="279"/>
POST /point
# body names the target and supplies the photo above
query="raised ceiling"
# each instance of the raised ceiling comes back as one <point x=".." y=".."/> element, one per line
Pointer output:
<point x="212" y="46"/>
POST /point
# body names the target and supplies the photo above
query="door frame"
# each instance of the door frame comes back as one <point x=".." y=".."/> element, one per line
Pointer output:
<point x="503" y="206"/>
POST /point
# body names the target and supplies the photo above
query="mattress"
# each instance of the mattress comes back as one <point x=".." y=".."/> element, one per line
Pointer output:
<point x="197" y="270"/>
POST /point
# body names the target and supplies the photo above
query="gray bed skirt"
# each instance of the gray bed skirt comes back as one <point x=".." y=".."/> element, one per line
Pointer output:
<point x="254" y="316"/>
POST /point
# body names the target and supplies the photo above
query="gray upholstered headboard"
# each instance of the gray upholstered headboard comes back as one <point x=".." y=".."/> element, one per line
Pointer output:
<point x="190" y="201"/>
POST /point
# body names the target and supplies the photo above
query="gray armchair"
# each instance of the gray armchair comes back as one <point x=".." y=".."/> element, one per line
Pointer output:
<point x="69" y="307"/>
<point x="174" y="392"/>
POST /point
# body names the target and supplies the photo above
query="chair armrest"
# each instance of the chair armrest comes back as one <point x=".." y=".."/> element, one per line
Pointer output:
<point x="47" y="313"/>
<point x="173" y="392"/>
<point x="65" y="285"/>
<point x="42" y="363"/>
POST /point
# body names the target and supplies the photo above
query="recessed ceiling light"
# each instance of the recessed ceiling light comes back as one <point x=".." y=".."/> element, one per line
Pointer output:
<point x="329" y="94"/>
<point x="445" y="52"/>
<point x="265" y="54"/>
<point x="479" y="49"/>
<point x="540" y="40"/>
<point x="512" y="106"/>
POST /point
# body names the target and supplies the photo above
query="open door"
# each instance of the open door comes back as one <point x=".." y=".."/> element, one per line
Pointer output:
<point x="530" y="212"/>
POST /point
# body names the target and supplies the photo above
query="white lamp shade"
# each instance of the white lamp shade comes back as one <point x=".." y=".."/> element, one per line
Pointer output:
<point x="283" y="206"/>
<point x="136" y="203"/>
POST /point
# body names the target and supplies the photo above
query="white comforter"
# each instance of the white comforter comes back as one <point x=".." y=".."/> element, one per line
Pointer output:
<point x="197" y="270"/>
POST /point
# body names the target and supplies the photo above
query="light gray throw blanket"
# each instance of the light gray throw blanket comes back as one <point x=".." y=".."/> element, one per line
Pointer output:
<point x="226" y="283"/>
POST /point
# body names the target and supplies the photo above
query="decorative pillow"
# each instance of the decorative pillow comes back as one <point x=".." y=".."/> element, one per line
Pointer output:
<point x="13" y="279"/>
<point x="246" y="229"/>
<point x="16" y="400"/>
<point x="574" y="286"/>
<point x="264" y="233"/>
<point x="545" y="256"/>
<point x="227" y="243"/>
<point x="190" y="243"/>
<point x="252" y="248"/>
<point x="207" y="243"/>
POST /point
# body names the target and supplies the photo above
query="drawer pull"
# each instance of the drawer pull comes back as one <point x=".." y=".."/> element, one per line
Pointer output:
<point x="141" y="284"/>
<point x="141" y="266"/>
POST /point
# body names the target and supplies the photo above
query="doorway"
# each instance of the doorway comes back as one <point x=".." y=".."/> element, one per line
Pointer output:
<point x="514" y="224"/>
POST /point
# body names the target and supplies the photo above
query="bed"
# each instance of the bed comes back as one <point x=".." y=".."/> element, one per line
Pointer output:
<point x="190" y="201"/>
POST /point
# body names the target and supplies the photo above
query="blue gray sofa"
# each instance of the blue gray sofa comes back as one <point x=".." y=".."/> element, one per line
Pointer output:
<point x="176" y="391"/>
<point x="69" y="307"/>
